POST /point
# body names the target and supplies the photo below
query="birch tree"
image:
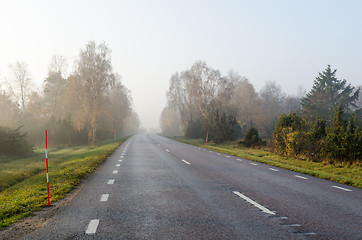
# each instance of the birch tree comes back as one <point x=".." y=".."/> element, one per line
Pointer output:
<point x="95" y="74"/>
<point x="20" y="83"/>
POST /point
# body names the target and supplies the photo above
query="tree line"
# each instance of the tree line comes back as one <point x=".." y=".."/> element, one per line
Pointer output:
<point x="85" y="107"/>
<point x="201" y="101"/>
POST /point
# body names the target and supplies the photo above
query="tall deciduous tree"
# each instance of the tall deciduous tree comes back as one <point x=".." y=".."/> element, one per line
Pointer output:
<point x="170" y="122"/>
<point x="247" y="103"/>
<point x="95" y="74"/>
<point x="326" y="94"/>
<point x="20" y="83"/>
<point x="271" y="106"/>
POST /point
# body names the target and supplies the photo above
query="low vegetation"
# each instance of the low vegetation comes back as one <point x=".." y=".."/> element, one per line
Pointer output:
<point x="23" y="183"/>
<point x="342" y="172"/>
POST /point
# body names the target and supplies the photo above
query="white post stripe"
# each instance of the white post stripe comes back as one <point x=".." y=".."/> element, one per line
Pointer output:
<point x="47" y="177"/>
<point x="262" y="208"/>
<point x="92" y="226"/>
<point x="46" y="153"/>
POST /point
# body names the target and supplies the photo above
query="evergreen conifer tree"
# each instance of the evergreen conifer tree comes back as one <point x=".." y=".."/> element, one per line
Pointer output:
<point x="326" y="94"/>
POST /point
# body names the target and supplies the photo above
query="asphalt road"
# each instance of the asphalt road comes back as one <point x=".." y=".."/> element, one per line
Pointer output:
<point x="156" y="188"/>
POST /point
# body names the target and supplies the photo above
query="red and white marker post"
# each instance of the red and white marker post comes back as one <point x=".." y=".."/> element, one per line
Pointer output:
<point x="46" y="159"/>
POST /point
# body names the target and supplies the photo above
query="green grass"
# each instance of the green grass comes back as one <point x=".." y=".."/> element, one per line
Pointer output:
<point x="23" y="181"/>
<point x="350" y="174"/>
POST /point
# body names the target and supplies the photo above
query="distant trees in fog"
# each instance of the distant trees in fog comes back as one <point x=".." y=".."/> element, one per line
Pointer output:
<point x="201" y="100"/>
<point x="225" y="107"/>
<point x="84" y="107"/>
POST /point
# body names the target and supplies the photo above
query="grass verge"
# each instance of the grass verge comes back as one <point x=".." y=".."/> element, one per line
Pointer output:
<point x="23" y="188"/>
<point x="350" y="174"/>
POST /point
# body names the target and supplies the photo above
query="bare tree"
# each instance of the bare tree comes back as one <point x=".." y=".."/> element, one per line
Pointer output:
<point x="272" y="98"/>
<point x="58" y="64"/>
<point x="20" y="82"/>
<point x="170" y="122"/>
<point x="120" y="103"/>
<point x="246" y="101"/>
<point x="95" y="73"/>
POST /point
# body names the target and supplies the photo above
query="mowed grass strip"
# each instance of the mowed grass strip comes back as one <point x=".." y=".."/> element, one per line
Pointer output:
<point x="346" y="173"/>
<point x="27" y="177"/>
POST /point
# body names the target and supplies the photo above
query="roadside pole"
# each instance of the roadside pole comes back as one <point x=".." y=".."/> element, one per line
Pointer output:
<point x="114" y="135"/>
<point x="46" y="159"/>
<point x="207" y="137"/>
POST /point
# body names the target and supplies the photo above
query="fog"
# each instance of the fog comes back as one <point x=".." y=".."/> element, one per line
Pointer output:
<point x="284" y="42"/>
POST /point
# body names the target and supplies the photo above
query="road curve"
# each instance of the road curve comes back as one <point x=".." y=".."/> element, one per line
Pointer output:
<point x="156" y="188"/>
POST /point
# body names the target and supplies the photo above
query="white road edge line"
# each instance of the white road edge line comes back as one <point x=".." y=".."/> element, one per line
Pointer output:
<point x="262" y="208"/>
<point x="345" y="189"/>
<point x="300" y="177"/>
<point x="186" y="162"/>
<point x="254" y="164"/>
<point x="227" y="156"/>
<point x="239" y="159"/>
<point x="92" y="226"/>
<point x="273" y="169"/>
<point x="104" y="198"/>
<point x="111" y="181"/>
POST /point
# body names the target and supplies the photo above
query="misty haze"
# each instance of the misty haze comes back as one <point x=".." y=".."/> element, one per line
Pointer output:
<point x="180" y="120"/>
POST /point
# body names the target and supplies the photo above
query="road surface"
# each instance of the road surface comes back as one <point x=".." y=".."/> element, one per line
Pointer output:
<point x="156" y="188"/>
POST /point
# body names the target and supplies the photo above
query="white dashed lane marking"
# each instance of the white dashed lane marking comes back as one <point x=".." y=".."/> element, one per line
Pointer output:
<point x="118" y="165"/>
<point x="92" y="226"/>
<point x="111" y="181"/>
<point x="297" y="176"/>
<point x="104" y="198"/>
<point x="186" y="162"/>
<point x="115" y="171"/>
<point x="341" y="188"/>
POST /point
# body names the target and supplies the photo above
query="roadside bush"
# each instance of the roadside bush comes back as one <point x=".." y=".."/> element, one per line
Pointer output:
<point x="343" y="140"/>
<point x="252" y="139"/>
<point x="13" y="142"/>
<point x="290" y="136"/>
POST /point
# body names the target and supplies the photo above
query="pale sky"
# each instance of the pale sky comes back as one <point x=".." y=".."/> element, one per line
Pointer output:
<point x="285" y="41"/>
